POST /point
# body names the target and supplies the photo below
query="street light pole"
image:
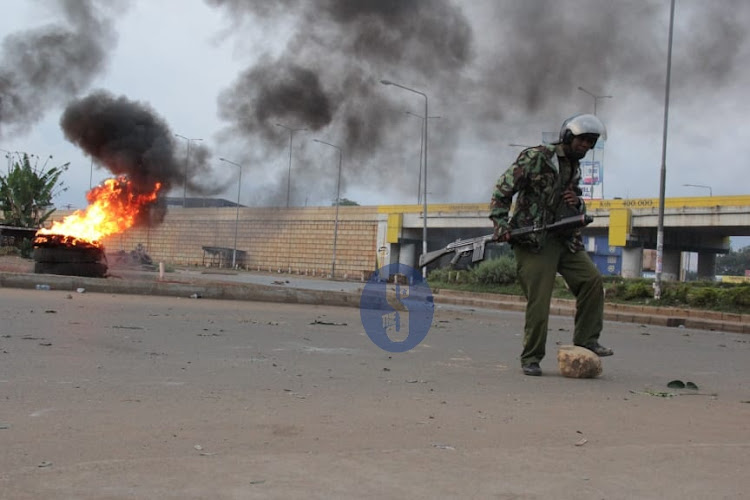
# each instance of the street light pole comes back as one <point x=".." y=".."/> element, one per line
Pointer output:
<point x="593" y="150"/>
<point x="289" y="174"/>
<point x="338" y="202"/>
<point x="421" y="152"/>
<point x="187" y="161"/>
<point x="237" y="216"/>
<point x="663" y="176"/>
<point x="424" y="185"/>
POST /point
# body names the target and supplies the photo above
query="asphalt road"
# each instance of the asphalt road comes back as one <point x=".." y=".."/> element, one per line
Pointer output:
<point x="124" y="396"/>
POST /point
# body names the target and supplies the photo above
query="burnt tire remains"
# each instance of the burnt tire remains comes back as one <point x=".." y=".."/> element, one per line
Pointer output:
<point x="57" y="254"/>
<point x="83" y="269"/>
<point x="67" y="254"/>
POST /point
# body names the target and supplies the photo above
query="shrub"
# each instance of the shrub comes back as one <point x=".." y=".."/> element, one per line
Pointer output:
<point x="738" y="296"/>
<point x="26" y="247"/>
<point x="448" y="275"/>
<point x="703" y="297"/>
<point x="676" y="293"/>
<point x="616" y="290"/>
<point x="499" y="271"/>
<point x="638" y="290"/>
<point x="8" y="250"/>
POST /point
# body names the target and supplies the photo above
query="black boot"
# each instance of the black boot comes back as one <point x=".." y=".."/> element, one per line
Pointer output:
<point x="532" y="369"/>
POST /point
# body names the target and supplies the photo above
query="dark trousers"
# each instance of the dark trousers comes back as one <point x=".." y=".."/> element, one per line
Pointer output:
<point x="536" y="274"/>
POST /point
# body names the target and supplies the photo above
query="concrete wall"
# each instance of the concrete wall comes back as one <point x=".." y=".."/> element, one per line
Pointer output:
<point x="297" y="240"/>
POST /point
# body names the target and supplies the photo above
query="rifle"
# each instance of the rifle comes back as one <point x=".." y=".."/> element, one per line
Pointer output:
<point x="476" y="245"/>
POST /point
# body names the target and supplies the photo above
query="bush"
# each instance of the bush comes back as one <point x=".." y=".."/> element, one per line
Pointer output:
<point x="676" y="293"/>
<point x="8" y="250"/>
<point x="26" y="247"/>
<point x="638" y="290"/>
<point x="738" y="296"/>
<point x="499" y="271"/>
<point x="448" y="275"/>
<point x="703" y="297"/>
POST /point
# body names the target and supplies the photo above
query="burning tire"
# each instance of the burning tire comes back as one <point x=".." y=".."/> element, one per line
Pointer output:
<point x="67" y="254"/>
<point x="57" y="254"/>
<point x="83" y="269"/>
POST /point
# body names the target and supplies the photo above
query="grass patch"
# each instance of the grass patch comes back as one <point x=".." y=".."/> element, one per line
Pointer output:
<point x="498" y="276"/>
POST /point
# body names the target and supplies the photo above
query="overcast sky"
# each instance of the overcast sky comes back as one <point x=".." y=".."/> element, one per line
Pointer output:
<point x="495" y="72"/>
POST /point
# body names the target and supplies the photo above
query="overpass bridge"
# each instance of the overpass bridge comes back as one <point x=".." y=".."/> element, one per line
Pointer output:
<point x="621" y="230"/>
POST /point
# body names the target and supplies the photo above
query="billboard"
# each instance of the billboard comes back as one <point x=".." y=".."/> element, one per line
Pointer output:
<point x="592" y="179"/>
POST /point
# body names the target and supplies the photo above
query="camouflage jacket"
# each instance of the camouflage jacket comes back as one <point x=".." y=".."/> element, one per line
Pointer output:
<point x="539" y="176"/>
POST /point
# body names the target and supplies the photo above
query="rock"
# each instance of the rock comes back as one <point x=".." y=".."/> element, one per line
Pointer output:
<point x="578" y="362"/>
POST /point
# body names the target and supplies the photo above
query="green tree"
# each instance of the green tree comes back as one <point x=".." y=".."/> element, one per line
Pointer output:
<point x="345" y="202"/>
<point x="733" y="263"/>
<point x="26" y="192"/>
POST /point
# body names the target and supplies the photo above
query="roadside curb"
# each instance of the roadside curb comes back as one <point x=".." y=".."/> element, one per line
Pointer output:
<point x="647" y="315"/>
<point x="221" y="290"/>
<point x="203" y="290"/>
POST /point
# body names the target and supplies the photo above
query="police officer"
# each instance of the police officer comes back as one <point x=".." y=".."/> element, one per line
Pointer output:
<point x="546" y="179"/>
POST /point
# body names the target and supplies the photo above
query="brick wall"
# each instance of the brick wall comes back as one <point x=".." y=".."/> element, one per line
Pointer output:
<point x="296" y="240"/>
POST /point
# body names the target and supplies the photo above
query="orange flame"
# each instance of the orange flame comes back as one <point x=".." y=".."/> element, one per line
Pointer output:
<point x="113" y="208"/>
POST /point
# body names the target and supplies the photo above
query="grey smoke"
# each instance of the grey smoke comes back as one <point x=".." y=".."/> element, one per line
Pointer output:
<point x="44" y="67"/>
<point x="327" y="79"/>
<point x="492" y="69"/>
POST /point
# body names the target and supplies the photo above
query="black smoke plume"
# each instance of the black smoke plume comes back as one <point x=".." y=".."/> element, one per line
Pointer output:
<point x="130" y="139"/>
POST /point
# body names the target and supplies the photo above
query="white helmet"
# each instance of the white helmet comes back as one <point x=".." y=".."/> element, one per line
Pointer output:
<point x="581" y="124"/>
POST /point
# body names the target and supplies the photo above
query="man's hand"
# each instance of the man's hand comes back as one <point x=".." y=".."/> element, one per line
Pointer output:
<point x="501" y="235"/>
<point x="570" y="197"/>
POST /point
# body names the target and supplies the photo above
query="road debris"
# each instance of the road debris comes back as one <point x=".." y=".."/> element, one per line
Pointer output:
<point x="443" y="446"/>
<point x="679" y="384"/>
<point x="330" y="323"/>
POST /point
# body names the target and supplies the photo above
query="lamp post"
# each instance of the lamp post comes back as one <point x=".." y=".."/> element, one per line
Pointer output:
<point x="237" y="217"/>
<point x="289" y="174"/>
<point x="338" y="199"/>
<point x="593" y="150"/>
<point x="663" y="176"/>
<point x="710" y="191"/>
<point x="187" y="161"/>
<point x="421" y="152"/>
<point x="424" y="170"/>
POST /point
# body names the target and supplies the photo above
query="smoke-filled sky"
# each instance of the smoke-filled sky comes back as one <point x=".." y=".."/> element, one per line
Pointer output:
<point x="496" y="72"/>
